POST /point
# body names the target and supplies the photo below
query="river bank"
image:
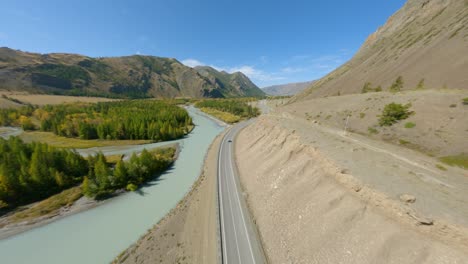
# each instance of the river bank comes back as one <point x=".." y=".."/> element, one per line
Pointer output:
<point x="10" y="226"/>
<point x="106" y="230"/>
<point x="188" y="232"/>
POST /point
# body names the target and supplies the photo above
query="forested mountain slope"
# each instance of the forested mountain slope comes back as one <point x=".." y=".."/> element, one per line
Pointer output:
<point x="131" y="76"/>
<point x="232" y="84"/>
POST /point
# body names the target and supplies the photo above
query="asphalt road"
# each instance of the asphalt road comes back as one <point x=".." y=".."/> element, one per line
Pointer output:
<point x="239" y="241"/>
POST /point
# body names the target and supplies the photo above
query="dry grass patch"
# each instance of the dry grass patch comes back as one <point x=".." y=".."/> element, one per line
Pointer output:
<point x="48" y="206"/>
<point x="44" y="99"/>
<point x="226" y="117"/>
<point x="62" y="142"/>
<point x="440" y="167"/>
<point x="114" y="158"/>
<point x="460" y="160"/>
<point x="5" y="103"/>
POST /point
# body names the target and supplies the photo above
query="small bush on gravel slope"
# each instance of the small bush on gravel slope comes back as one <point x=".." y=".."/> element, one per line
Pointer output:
<point x="393" y="112"/>
<point x="372" y="130"/>
<point x="397" y="85"/>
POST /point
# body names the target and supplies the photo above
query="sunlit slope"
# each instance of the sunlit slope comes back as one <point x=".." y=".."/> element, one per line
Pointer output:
<point x="130" y="76"/>
<point x="425" y="42"/>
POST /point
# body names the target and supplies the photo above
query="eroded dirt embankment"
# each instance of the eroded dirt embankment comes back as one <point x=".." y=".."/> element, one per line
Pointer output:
<point x="308" y="210"/>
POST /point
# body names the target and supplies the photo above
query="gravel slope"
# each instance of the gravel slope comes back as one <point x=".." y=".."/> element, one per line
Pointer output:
<point x="424" y="40"/>
<point x="439" y="116"/>
<point x="312" y="206"/>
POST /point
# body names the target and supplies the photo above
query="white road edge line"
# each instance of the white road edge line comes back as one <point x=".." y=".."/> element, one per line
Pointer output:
<point x="234" y="224"/>
<point x="240" y="207"/>
<point x="223" y="232"/>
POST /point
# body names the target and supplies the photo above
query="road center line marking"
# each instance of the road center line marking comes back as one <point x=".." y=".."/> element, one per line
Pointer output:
<point x="233" y="223"/>
<point x="238" y="200"/>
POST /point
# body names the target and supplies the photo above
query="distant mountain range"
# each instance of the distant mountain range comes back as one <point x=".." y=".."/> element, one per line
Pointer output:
<point x="131" y="76"/>
<point x="231" y="84"/>
<point x="425" y="42"/>
<point x="287" y="89"/>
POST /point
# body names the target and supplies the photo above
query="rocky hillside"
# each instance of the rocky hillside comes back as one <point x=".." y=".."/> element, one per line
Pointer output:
<point x="287" y="89"/>
<point x="234" y="84"/>
<point x="131" y="76"/>
<point x="425" y="42"/>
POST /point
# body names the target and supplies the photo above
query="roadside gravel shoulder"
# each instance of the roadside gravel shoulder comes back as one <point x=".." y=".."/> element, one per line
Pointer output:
<point x="188" y="233"/>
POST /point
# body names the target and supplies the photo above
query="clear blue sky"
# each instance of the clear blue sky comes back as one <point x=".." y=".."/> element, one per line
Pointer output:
<point x="271" y="41"/>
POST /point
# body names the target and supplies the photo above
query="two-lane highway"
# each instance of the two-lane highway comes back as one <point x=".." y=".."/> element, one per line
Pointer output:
<point x="239" y="241"/>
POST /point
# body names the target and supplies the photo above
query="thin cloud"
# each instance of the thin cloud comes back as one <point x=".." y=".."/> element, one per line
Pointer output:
<point x="316" y="65"/>
<point x="299" y="57"/>
<point x="264" y="59"/>
<point x="339" y="57"/>
<point x="297" y="67"/>
<point x="247" y="70"/>
<point x="22" y="14"/>
<point x="192" y="62"/>
<point x="142" y="38"/>
<point x="293" y="69"/>
<point x="3" y="36"/>
<point x="255" y="74"/>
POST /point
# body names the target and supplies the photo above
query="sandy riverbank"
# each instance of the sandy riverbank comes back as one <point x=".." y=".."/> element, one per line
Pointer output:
<point x="10" y="226"/>
<point x="14" y="228"/>
<point x="188" y="234"/>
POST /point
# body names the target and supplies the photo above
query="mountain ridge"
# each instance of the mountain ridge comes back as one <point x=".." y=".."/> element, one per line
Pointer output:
<point x="133" y="76"/>
<point x="425" y="42"/>
<point x="287" y="89"/>
<point x="234" y="83"/>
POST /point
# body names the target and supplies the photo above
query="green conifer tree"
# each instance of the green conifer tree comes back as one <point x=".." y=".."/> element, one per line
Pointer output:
<point x="397" y="85"/>
<point x="102" y="172"/>
<point x="120" y="174"/>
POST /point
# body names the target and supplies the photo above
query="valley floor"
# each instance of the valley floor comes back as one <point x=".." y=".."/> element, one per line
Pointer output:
<point x="320" y="196"/>
<point x="17" y="99"/>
